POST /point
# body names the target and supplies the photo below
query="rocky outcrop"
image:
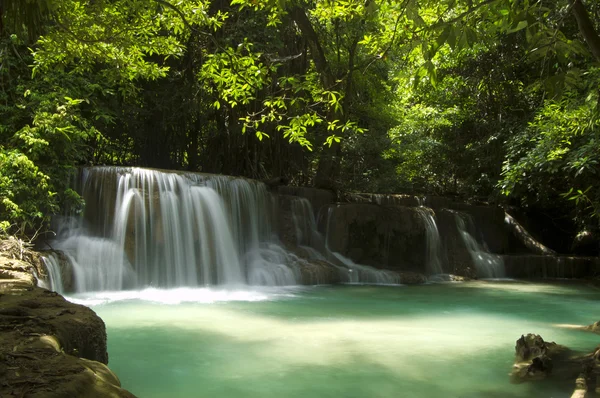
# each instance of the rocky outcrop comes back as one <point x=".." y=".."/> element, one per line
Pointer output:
<point x="49" y="347"/>
<point x="536" y="359"/>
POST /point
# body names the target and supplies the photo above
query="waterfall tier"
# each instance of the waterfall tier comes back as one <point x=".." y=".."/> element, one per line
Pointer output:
<point x="166" y="229"/>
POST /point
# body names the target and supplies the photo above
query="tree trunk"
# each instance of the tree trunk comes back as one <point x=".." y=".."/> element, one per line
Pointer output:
<point x="586" y="28"/>
<point x="192" y="151"/>
<point x="329" y="159"/>
<point x="524" y="237"/>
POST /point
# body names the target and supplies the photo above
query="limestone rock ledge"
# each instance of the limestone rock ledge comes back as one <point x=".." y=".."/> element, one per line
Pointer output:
<point x="49" y="347"/>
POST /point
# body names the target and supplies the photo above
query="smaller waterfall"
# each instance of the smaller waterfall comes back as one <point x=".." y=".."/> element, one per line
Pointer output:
<point x="307" y="234"/>
<point x="309" y="238"/>
<point x="358" y="273"/>
<point x="488" y="265"/>
<point x="433" y="255"/>
<point x="53" y="270"/>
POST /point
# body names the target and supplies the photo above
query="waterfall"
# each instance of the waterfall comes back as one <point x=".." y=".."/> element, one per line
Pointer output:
<point x="168" y="229"/>
<point x="488" y="265"/>
<point x="53" y="270"/>
<point x="358" y="273"/>
<point x="433" y="255"/>
<point x="350" y="272"/>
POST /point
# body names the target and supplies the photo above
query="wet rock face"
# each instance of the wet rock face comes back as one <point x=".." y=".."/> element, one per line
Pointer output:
<point x="412" y="278"/>
<point x="318" y="198"/>
<point x="391" y="237"/>
<point x="320" y="272"/>
<point x="285" y="221"/>
<point x="535" y="266"/>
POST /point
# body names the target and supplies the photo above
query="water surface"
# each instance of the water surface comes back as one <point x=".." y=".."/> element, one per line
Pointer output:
<point x="439" y="340"/>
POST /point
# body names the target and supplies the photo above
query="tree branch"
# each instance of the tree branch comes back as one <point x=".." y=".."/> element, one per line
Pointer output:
<point x="299" y="17"/>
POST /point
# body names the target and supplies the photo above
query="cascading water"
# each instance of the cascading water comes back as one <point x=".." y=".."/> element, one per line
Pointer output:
<point x="54" y="281"/>
<point x="151" y="228"/>
<point x="488" y="265"/>
<point x="309" y="237"/>
<point x="433" y="255"/>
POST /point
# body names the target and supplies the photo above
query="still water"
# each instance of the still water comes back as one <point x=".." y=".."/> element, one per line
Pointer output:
<point x="438" y="340"/>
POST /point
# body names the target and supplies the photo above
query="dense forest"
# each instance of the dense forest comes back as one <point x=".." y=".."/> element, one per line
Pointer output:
<point x="489" y="100"/>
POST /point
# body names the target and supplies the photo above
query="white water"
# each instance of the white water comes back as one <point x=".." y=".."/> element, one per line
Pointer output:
<point x="53" y="270"/>
<point x="488" y="265"/>
<point x="149" y="228"/>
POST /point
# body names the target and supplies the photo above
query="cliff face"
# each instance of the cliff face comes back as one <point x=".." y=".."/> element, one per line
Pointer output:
<point x="49" y="347"/>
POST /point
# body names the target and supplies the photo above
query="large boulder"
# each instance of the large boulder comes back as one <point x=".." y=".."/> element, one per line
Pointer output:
<point x="49" y="347"/>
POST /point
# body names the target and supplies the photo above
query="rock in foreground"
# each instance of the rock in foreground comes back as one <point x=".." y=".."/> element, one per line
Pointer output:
<point x="537" y="359"/>
<point x="49" y="347"/>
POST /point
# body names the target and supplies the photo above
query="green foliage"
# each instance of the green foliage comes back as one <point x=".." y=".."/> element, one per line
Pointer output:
<point x="43" y="133"/>
<point x="557" y="156"/>
<point x="478" y="98"/>
<point x="27" y="199"/>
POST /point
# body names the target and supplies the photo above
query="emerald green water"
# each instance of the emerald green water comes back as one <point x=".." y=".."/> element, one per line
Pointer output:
<point x="442" y="340"/>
